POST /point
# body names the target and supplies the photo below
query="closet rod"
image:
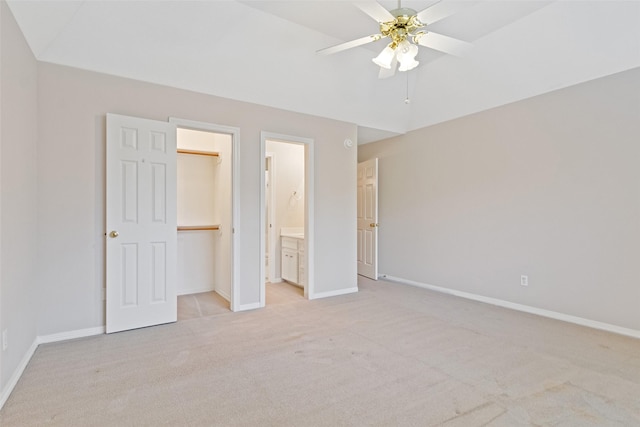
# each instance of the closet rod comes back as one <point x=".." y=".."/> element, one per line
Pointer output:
<point x="197" y="152"/>
<point x="198" y="227"/>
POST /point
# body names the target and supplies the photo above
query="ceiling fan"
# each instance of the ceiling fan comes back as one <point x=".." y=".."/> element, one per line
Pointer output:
<point x="406" y="29"/>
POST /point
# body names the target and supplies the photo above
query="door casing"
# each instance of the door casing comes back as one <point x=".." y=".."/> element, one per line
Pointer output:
<point x="269" y="212"/>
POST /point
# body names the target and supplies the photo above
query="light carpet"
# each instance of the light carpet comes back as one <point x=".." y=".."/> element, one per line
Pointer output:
<point x="390" y="355"/>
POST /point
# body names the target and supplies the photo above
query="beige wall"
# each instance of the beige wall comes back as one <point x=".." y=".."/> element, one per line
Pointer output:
<point x="547" y="187"/>
<point x="18" y="200"/>
<point x="73" y="104"/>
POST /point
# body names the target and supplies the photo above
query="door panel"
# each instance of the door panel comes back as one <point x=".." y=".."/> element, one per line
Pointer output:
<point x="141" y="223"/>
<point x="368" y="219"/>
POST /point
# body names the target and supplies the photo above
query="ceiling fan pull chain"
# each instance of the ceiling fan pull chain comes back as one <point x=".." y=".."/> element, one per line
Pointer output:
<point x="407" y="100"/>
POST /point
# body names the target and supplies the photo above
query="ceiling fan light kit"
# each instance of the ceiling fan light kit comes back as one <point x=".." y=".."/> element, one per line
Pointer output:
<point x="407" y="29"/>
<point x="402" y="27"/>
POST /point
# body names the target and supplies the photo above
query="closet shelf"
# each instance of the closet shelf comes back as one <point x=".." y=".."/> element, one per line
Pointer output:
<point x="198" y="227"/>
<point x="198" y="152"/>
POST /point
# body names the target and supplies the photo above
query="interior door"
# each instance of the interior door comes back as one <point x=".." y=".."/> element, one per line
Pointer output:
<point x="368" y="219"/>
<point x="141" y="234"/>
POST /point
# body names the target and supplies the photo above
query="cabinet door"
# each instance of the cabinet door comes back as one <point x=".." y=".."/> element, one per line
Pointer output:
<point x="290" y="265"/>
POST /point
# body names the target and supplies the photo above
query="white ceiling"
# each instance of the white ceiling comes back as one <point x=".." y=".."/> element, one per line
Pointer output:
<point x="264" y="52"/>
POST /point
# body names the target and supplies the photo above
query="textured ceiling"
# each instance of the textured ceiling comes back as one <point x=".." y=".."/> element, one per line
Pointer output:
<point x="264" y="52"/>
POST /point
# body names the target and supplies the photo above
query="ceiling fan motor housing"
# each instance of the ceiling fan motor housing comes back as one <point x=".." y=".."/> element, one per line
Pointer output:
<point x="405" y="23"/>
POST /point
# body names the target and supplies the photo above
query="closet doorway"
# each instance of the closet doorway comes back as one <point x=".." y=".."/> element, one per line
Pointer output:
<point x="206" y="214"/>
<point x="286" y="225"/>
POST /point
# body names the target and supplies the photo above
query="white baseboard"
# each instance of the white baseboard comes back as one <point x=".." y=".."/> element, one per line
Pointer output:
<point x="70" y="335"/>
<point x="199" y="290"/>
<point x="223" y="295"/>
<point x="43" y="339"/>
<point x="245" y="307"/>
<point x="6" y="392"/>
<point x="520" y="307"/>
<point x="318" y="295"/>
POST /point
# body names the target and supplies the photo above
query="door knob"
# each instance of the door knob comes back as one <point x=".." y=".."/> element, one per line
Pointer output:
<point x="373" y="225"/>
<point x="113" y="234"/>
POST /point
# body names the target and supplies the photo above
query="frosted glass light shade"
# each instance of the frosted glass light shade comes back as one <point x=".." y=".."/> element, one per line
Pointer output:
<point x="408" y="64"/>
<point x="403" y="48"/>
<point x="385" y="57"/>
<point x="407" y="56"/>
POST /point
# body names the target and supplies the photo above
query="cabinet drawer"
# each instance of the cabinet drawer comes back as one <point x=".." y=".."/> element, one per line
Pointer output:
<point x="290" y="243"/>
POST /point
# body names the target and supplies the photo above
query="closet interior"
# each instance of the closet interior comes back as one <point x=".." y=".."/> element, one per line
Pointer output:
<point x="204" y="212"/>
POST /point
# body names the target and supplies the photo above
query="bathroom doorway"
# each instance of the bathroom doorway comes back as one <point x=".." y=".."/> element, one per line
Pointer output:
<point x="287" y="214"/>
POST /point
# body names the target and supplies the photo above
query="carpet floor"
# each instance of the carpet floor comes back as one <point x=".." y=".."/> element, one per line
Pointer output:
<point x="389" y="355"/>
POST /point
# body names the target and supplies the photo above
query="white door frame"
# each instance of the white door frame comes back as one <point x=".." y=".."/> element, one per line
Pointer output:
<point x="235" y="191"/>
<point x="309" y="239"/>
<point x="271" y="273"/>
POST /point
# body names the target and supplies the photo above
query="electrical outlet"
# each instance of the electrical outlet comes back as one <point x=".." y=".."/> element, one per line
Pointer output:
<point x="524" y="280"/>
<point x="5" y="340"/>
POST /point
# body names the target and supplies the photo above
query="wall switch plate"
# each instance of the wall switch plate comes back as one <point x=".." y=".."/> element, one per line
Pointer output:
<point x="5" y="340"/>
<point x="524" y="280"/>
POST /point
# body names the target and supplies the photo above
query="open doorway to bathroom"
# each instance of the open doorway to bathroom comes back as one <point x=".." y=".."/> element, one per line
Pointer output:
<point x="287" y="193"/>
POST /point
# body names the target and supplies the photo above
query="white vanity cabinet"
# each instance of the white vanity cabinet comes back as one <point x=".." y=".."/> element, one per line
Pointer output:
<point x="293" y="260"/>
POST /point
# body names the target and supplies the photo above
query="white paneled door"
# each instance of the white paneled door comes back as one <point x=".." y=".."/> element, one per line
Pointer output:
<point x="141" y="234"/>
<point x="368" y="219"/>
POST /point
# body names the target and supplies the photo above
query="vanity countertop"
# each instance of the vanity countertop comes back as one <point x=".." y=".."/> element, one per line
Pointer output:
<point x="293" y="235"/>
<point x="294" y="232"/>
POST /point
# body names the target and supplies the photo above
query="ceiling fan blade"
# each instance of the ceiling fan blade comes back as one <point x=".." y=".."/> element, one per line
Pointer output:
<point x="385" y="73"/>
<point x="444" y="44"/>
<point x="348" y="45"/>
<point x="375" y="10"/>
<point x="439" y="11"/>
